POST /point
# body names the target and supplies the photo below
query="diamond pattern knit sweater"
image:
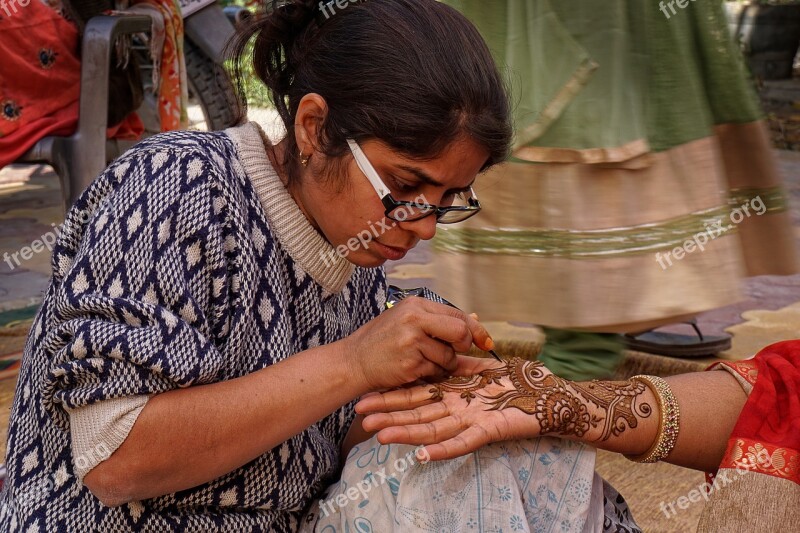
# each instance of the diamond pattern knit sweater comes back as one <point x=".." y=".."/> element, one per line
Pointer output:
<point x="184" y="263"/>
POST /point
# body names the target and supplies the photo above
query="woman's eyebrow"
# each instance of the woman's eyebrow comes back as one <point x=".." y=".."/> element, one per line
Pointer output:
<point x="426" y="178"/>
<point x="422" y="175"/>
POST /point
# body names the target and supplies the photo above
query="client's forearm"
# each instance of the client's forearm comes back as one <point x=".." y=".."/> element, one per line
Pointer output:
<point x="625" y="417"/>
<point x="685" y="420"/>
<point x="710" y="404"/>
<point x="620" y="416"/>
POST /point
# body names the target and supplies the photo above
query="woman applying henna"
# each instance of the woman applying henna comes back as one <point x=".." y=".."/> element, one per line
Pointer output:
<point x="196" y="359"/>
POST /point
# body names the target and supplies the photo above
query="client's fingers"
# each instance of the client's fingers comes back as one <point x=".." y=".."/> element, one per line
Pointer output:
<point x="395" y="400"/>
<point x="460" y="444"/>
<point x="436" y="431"/>
<point x="420" y="415"/>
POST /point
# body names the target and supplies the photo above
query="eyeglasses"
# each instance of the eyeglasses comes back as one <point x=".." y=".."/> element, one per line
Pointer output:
<point x="400" y="211"/>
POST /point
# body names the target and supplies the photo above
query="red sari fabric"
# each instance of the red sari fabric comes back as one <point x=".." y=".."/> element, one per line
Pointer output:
<point x="40" y="78"/>
<point x="766" y="438"/>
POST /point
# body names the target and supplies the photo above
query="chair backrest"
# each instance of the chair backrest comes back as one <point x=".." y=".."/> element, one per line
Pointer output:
<point x="125" y="90"/>
<point x="79" y="158"/>
<point x="83" y="10"/>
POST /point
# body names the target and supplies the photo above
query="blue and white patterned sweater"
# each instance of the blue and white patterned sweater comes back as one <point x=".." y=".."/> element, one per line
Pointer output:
<point x="168" y="273"/>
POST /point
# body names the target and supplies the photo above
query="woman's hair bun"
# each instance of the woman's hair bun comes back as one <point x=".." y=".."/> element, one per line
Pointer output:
<point x="277" y="44"/>
<point x="293" y="16"/>
<point x="277" y="37"/>
<point x="415" y="74"/>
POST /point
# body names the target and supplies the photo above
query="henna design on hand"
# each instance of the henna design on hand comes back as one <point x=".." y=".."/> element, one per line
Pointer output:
<point x="560" y="406"/>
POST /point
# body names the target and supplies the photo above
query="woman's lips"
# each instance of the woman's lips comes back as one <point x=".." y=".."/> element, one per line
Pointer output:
<point x="392" y="253"/>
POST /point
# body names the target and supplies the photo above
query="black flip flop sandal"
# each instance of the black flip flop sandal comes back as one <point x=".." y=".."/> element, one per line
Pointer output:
<point x="677" y="345"/>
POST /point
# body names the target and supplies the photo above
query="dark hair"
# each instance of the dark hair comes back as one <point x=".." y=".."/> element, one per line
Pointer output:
<point x="415" y="74"/>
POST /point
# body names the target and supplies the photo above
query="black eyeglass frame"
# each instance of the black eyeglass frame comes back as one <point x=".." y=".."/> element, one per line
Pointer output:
<point x="392" y="206"/>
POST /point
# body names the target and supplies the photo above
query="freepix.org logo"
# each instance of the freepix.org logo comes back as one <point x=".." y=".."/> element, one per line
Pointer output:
<point x="11" y="7"/>
<point x="682" y="4"/>
<point x="711" y="232"/>
<point x="48" y="240"/>
<point x="375" y="230"/>
<point x="327" y="8"/>
<point x="360" y="491"/>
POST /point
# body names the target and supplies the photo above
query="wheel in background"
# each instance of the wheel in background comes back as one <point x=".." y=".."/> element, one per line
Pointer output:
<point x="210" y="85"/>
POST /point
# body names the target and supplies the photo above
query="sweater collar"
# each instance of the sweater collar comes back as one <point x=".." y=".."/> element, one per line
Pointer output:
<point x="302" y="242"/>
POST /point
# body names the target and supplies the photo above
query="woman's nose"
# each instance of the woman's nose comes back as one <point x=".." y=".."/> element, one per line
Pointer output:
<point x="424" y="228"/>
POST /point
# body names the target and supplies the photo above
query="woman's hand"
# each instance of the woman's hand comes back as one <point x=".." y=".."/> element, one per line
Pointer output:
<point x="459" y="415"/>
<point x="415" y="339"/>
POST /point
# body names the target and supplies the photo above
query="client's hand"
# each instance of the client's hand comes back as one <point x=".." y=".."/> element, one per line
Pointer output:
<point x="461" y="414"/>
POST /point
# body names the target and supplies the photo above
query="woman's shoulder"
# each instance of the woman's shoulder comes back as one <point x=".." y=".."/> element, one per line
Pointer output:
<point x="168" y="166"/>
<point x="184" y="177"/>
<point x="213" y="148"/>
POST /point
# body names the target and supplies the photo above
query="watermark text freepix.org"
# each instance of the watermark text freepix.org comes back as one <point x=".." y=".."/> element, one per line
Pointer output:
<point x="45" y="241"/>
<point x="41" y="489"/>
<point x="10" y="7"/>
<point x="712" y="231"/>
<point x="376" y="229"/>
<point x="683" y="4"/>
<point x="327" y="9"/>
<point x="360" y="491"/>
<point x="723" y="478"/>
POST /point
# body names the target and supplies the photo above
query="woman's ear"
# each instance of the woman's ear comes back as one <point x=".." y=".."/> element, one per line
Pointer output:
<point x="311" y="114"/>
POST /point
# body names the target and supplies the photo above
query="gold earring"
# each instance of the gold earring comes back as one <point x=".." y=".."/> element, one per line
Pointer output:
<point x="304" y="159"/>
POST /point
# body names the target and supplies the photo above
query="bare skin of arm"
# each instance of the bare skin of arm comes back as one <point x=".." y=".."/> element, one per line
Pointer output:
<point x="523" y="400"/>
<point x="186" y="437"/>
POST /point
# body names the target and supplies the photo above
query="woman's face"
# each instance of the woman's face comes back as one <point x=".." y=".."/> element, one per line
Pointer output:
<point x="351" y="215"/>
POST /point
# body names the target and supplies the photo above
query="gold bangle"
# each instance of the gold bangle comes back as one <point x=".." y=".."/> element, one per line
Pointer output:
<point x="670" y="421"/>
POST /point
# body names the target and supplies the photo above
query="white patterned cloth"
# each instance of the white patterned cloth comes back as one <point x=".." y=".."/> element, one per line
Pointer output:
<point x="544" y="484"/>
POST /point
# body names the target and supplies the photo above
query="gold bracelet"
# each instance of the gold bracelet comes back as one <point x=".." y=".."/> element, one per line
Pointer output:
<point x="670" y="421"/>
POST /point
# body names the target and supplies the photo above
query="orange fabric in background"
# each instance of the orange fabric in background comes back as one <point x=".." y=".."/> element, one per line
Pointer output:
<point x="173" y="89"/>
<point x="40" y="78"/>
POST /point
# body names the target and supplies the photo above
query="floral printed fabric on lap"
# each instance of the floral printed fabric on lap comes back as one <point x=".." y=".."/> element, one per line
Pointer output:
<point x="544" y="484"/>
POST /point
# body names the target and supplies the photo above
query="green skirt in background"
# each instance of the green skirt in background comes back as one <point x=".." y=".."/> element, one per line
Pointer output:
<point x="642" y="187"/>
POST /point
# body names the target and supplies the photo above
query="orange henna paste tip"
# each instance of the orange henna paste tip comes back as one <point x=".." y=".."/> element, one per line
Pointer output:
<point x="489" y="344"/>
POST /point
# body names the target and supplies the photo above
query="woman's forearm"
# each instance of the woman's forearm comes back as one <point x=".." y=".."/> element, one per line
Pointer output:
<point x="186" y="437"/>
<point x="709" y="402"/>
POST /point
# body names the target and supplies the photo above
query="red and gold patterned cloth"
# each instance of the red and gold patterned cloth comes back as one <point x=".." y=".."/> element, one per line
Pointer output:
<point x="766" y="438"/>
<point x="763" y="454"/>
<point x="39" y="76"/>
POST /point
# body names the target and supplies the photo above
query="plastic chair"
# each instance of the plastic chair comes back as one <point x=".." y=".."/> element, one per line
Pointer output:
<point x="79" y="158"/>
